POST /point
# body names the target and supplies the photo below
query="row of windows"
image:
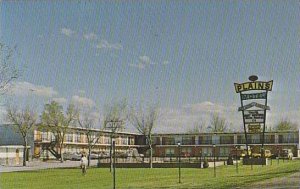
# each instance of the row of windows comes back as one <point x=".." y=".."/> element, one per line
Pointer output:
<point x="252" y="139"/>
<point x="81" y="138"/>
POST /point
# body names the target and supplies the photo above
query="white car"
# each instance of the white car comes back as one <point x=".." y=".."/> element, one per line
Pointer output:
<point x="287" y="153"/>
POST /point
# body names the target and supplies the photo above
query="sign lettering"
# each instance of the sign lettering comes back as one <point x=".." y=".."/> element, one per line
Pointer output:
<point x="254" y="96"/>
<point x="252" y="104"/>
<point x="255" y="85"/>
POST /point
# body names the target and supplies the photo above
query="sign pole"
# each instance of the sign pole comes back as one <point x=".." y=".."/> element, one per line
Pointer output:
<point x="245" y="129"/>
<point x="114" y="163"/>
<point x="264" y="127"/>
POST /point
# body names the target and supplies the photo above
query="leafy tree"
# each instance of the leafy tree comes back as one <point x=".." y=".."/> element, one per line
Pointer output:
<point x="286" y="125"/>
<point x="217" y="123"/>
<point x="144" y="121"/>
<point x="24" y="121"/>
<point x="8" y="70"/>
<point x="57" y="122"/>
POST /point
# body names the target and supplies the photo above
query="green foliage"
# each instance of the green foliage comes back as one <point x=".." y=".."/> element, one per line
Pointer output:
<point x="205" y="164"/>
<point x="54" y="120"/>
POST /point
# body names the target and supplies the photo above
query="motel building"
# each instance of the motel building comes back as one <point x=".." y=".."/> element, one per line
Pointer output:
<point x="202" y="144"/>
<point x="42" y="143"/>
<point x="166" y="145"/>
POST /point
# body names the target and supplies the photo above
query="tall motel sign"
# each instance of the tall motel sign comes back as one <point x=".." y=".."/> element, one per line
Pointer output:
<point x="254" y="98"/>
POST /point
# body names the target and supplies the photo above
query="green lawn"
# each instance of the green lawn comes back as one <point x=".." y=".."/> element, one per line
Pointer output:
<point x="147" y="178"/>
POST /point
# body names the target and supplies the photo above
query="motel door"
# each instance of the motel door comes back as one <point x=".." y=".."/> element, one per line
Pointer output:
<point x="17" y="157"/>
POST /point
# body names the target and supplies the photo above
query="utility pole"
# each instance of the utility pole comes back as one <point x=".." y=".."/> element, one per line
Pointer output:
<point x="113" y="125"/>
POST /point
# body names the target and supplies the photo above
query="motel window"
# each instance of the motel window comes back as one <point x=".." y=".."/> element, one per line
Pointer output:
<point x="77" y="137"/>
<point x="124" y="141"/>
<point x="226" y="139"/>
<point x="69" y="137"/>
<point x="44" y="136"/>
<point x="106" y="140"/>
<point x="205" y="139"/>
<point x="186" y="151"/>
<point x="168" y="140"/>
<point x="170" y="151"/>
<point x="207" y="151"/>
<point x="224" y="151"/>
<point x="187" y="140"/>
<point x="156" y="140"/>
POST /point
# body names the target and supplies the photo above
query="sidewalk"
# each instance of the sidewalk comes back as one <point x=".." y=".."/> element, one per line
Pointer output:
<point x="37" y="165"/>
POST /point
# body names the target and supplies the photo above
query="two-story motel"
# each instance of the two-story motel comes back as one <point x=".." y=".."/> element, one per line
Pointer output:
<point x="196" y="144"/>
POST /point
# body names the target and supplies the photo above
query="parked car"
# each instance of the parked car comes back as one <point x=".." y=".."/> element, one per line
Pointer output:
<point x="268" y="154"/>
<point x="71" y="156"/>
<point x="238" y="153"/>
<point x="76" y="156"/>
<point x="94" y="156"/>
<point x="286" y="153"/>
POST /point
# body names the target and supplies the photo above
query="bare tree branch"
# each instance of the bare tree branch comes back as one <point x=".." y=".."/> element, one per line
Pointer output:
<point x="8" y="70"/>
<point x="24" y="121"/>
<point x="143" y="119"/>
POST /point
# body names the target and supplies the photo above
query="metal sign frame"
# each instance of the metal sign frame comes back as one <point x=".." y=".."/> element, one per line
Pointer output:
<point x="254" y="118"/>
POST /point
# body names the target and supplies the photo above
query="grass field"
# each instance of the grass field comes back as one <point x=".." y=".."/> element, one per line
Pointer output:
<point x="226" y="177"/>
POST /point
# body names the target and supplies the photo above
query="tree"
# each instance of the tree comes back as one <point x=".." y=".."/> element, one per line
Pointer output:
<point x="87" y="122"/>
<point x="8" y="70"/>
<point x="114" y="120"/>
<point x="217" y="123"/>
<point x="144" y="121"/>
<point x="286" y="125"/>
<point x="24" y="121"/>
<point x="198" y="127"/>
<point x="57" y="122"/>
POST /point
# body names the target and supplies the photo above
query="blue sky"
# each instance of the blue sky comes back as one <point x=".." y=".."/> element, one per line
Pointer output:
<point x="185" y="55"/>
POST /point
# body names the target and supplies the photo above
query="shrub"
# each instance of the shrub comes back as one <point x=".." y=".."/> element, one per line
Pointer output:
<point x="205" y="164"/>
<point x="229" y="161"/>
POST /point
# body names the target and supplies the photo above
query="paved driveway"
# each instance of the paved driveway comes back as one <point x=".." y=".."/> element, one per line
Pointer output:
<point x="37" y="165"/>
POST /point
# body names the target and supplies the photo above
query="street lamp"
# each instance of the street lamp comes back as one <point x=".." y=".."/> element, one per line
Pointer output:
<point x="214" y="148"/>
<point x="113" y="125"/>
<point x="277" y="155"/>
<point x="200" y="157"/>
<point x="262" y="156"/>
<point x="179" y="161"/>
<point x="114" y="164"/>
<point x="236" y="160"/>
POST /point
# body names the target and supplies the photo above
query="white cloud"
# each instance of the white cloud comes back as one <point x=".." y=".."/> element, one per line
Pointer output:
<point x="139" y="66"/>
<point x="25" y="88"/>
<point x="145" y="60"/>
<point x="90" y="36"/>
<point x="166" y="62"/>
<point x="184" y="118"/>
<point x="67" y="31"/>
<point x="82" y="101"/>
<point x="60" y="100"/>
<point x="103" y="44"/>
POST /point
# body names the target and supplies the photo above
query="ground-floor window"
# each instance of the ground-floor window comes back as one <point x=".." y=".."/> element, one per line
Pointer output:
<point x="224" y="151"/>
<point x="170" y="151"/>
